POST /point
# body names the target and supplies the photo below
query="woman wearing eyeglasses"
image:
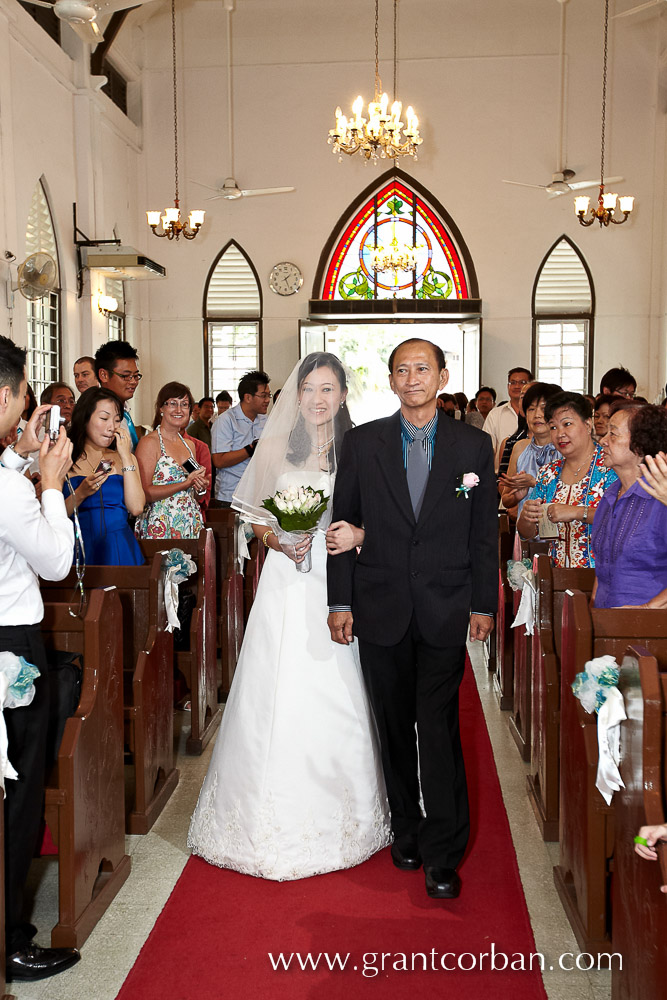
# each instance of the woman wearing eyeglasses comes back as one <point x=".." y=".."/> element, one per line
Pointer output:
<point x="171" y="476"/>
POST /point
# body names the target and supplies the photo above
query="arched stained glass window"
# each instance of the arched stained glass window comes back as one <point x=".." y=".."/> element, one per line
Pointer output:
<point x="232" y="320"/>
<point x="399" y="220"/>
<point x="43" y="315"/>
<point x="563" y="305"/>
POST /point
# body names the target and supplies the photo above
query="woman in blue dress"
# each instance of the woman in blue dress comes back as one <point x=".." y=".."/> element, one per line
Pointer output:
<point x="104" y="483"/>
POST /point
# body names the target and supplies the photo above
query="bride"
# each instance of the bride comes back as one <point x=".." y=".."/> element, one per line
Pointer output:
<point x="294" y="787"/>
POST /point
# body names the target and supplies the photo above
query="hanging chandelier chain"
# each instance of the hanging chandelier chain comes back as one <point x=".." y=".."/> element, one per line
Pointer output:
<point x="173" y="56"/>
<point x="395" y="47"/>
<point x="604" y="90"/>
<point x="378" y="84"/>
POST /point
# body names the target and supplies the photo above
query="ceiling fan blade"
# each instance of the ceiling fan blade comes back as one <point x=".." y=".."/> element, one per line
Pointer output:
<point x="214" y="197"/>
<point x="87" y="31"/>
<point x="209" y="187"/>
<point x="541" y="187"/>
<point x="579" y="185"/>
<point x="104" y="7"/>
<point x="257" y="191"/>
<point x="42" y="3"/>
<point x="637" y="10"/>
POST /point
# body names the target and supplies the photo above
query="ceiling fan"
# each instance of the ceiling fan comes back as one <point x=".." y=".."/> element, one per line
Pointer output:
<point x="656" y="5"/>
<point x="81" y="15"/>
<point x="230" y="189"/>
<point x="561" y="180"/>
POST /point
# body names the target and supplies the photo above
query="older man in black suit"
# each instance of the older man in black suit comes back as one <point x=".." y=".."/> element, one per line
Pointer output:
<point x="427" y="570"/>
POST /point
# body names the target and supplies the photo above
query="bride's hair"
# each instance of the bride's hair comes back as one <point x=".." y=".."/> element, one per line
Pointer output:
<point x="299" y="440"/>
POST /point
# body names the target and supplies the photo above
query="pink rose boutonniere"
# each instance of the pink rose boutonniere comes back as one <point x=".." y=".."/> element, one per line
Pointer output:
<point x="468" y="482"/>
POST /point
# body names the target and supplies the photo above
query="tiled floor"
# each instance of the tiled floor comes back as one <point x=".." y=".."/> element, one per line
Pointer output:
<point x="159" y="857"/>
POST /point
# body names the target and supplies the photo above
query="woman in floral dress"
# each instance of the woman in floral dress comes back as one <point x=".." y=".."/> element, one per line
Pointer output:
<point x="571" y="487"/>
<point x="172" y="509"/>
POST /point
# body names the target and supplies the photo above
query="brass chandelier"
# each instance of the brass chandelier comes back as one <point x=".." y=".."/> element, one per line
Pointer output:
<point x="172" y="225"/>
<point x="605" y="211"/>
<point x="383" y="134"/>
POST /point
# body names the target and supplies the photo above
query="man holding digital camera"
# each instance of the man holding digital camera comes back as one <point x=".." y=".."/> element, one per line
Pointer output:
<point x="36" y="539"/>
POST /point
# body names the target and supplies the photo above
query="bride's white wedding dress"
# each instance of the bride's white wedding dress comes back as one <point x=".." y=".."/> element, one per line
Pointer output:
<point x="294" y="787"/>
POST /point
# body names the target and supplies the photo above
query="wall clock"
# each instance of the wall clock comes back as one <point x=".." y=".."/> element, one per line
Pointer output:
<point x="285" y="278"/>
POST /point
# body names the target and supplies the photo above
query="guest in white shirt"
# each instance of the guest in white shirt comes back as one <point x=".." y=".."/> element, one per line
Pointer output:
<point x="503" y="420"/>
<point x="235" y="434"/>
<point x="35" y="540"/>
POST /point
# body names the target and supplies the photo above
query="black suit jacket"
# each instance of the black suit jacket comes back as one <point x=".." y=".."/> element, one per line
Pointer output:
<point x="442" y="566"/>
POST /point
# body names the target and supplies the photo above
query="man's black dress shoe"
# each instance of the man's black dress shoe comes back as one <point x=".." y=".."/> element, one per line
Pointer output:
<point x="33" y="962"/>
<point x="405" y="855"/>
<point x="442" y="883"/>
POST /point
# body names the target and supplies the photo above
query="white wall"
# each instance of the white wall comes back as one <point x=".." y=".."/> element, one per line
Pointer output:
<point x="483" y="77"/>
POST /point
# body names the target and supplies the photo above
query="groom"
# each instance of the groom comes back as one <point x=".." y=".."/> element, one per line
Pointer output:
<point x="427" y="569"/>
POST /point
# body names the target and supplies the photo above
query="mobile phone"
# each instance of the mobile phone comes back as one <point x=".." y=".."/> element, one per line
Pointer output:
<point x="104" y="466"/>
<point x="191" y="466"/>
<point x="53" y="422"/>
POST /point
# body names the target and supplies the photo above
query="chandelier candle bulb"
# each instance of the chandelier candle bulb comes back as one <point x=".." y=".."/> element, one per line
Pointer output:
<point x="626" y="202"/>
<point x="196" y="218"/>
<point x="153" y="218"/>
<point x="581" y="204"/>
<point x="609" y="201"/>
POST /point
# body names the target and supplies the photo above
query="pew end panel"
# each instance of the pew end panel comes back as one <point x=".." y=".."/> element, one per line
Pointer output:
<point x="229" y="593"/>
<point x="582" y="876"/>
<point x="148" y="681"/>
<point x="151" y="712"/>
<point x="198" y="663"/>
<point x="86" y="802"/>
<point x="503" y="681"/>
<point x="639" y="907"/>
<point x="544" y="779"/>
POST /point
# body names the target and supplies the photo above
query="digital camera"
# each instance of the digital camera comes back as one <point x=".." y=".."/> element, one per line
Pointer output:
<point x="53" y="422"/>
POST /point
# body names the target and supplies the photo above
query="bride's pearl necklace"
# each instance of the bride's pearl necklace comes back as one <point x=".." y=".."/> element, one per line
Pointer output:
<point x="321" y="448"/>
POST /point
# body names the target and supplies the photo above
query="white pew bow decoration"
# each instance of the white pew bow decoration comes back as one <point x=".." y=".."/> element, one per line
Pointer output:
<point x="520" y="577"/>
<point x="17" y="689"/>
<point x="595" y="687"/>
<point x="178" y="567"/>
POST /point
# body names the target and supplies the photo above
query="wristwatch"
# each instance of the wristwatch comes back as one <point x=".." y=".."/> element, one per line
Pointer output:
<point x="129" y="468"/>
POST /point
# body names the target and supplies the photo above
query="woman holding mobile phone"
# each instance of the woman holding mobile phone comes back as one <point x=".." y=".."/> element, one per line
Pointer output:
<point x="171" y="476"/>
<point x="104" y="484"/>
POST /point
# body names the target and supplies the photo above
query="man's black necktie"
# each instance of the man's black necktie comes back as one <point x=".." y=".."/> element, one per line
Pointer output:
<point x="417" y="471"/>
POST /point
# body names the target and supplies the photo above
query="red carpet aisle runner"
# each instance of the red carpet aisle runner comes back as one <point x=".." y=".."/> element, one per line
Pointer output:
<point x="214" y="936"/>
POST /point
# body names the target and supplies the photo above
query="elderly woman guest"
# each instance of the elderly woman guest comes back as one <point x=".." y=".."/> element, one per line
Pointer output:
<point x="104" y="484"/>
<point x="630" y="529"/>
<point x="529" y="455"/>
<point x="569" y="489"/>
<point x="170" y="473"/>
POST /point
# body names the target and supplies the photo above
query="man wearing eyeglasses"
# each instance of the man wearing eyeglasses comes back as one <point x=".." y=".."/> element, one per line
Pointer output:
<point x="618" y="382"/>
<point x="503" y="420"/>
<point x="116" y="369"/>
<point x="235" y="434"/>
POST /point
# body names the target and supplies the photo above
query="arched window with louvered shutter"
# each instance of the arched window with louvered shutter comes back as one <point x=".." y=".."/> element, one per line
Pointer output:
<point x="563" y="309"/>
<point x="232" y="320"/>
<point x="43" y="315"/>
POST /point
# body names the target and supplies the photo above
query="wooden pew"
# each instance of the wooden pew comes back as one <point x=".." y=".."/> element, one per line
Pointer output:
<point x="85" y="795"/>
<point x="586" y="827"/>
<point x="503" y="681"/>
<point x="639" y="907"/>
<point x="251" y="577"/>
<point x="543" y="781"/>
<point x="229" y="591"/>
<point x="198" y="663"/>
<point x="519" y="721"/>
<point x="148" y="672"/>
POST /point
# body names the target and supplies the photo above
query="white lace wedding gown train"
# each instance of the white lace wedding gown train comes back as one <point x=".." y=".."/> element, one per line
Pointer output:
<point x="294" y="787"/>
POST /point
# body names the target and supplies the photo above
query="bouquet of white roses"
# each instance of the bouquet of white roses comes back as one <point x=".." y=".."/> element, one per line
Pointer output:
<point x="298" y="510"/>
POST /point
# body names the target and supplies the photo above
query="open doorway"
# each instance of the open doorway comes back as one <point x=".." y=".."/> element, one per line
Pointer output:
<point x="364" y="348"/>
